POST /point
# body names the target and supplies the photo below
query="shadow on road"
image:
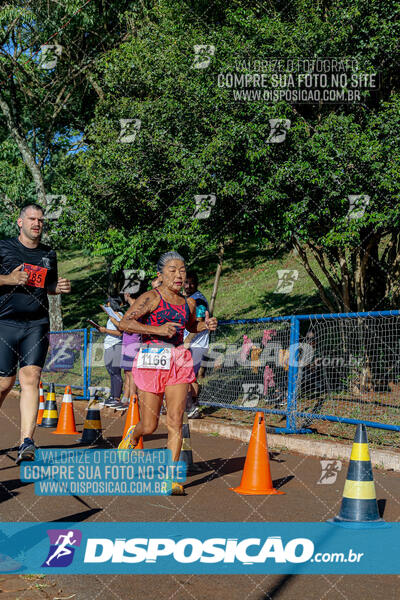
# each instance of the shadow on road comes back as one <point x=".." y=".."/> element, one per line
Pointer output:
<point x="79" y="516"/>
<point x="7" y="487"/>
<point x="223" y="466"/>
<point x="219" y="466"/>
<point x="278" y="483"/>
<point x="273" y="456"/>
<point x="278" y="588"/>
<point x="7" y="450"/>
<point x="63" y="447"/>
<point x="115" y="439"/>
<point x="155" y="436"/>
<point x="381" y="507"/>
<point x="10" y="467"/>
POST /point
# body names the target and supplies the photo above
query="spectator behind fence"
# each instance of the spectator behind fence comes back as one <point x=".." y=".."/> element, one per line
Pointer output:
<point x="130" y="347"/>
<point x="197" y="343"/>
<point x="112" y="353"/>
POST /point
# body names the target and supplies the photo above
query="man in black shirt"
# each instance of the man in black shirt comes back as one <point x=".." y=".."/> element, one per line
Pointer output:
<point x="28" y="273"/>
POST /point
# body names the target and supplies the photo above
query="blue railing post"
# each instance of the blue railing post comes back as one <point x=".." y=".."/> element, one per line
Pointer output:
<point x="89" y="370"/>
<point x="292" y="375"/>
<point x="85" y="385"/>
<point x="293" y="380"/>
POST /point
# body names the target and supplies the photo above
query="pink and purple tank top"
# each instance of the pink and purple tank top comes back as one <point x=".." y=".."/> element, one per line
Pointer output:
<point x="167" y="313"/>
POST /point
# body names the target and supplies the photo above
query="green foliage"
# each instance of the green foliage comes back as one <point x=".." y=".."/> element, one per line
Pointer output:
<point x="129" y="202"/>
<point x="47" y="107"/>
<point x="195" y="139"/>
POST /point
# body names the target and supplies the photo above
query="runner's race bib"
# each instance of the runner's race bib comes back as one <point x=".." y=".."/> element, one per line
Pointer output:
<point x="37" y="275"/>
<point x="154" y="358"/>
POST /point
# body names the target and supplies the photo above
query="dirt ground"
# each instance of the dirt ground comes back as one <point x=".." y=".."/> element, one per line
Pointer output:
<point x="208" y="499"/>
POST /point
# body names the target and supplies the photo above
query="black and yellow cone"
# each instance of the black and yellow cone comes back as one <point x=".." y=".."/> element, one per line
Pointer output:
<point x="50" y="414"/>
<point x="91" y="433"/>
<point x="186" y="454"/>
<point x="359" y="506"/>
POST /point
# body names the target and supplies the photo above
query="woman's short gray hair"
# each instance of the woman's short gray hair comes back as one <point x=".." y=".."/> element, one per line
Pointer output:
<point x="166" y="257"/>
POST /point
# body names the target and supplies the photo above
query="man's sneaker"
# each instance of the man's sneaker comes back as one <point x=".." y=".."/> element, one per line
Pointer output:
<point x="121" y="406"/>
<point x="194" y="413"/>
<point x="26" y="451"/>
<point x="126" y="442"/>
<point x="111" y="402"/>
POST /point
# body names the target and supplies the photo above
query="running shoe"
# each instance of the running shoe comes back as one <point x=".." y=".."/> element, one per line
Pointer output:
<point x="177" y="489"/>
<point x="126" y="442"/>
<point x="121" y="406"/>
<point x="194" y="413"/>
<point x="26" y="451"/>
<point x="111" y="402"/>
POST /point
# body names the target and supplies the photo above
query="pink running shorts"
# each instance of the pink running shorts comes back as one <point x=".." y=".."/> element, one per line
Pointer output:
<point x="156" y="380"/>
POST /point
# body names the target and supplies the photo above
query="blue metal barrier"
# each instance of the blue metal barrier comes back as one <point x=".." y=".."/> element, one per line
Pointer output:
<point x="292" y="411"/>
<point x="61" y="364"/>
<point x="294" y="406"/>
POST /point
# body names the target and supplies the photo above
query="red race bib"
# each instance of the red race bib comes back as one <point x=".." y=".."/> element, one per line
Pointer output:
<point x="37" y="275"/>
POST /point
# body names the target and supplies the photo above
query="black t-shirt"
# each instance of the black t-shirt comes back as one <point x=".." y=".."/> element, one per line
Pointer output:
<point x="27" y="303"/>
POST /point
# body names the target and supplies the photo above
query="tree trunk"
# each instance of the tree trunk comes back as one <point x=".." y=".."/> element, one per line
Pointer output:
<point x="314" y="276"/>
<point x="25" y="151"/>
<point x="391" y="263"/>
<point x="55" y="314"/>
<point x="214" y="293"/>
<point x="358" y="281"/>
<point x="345" y="280"/>
<point x="115" y="281"/>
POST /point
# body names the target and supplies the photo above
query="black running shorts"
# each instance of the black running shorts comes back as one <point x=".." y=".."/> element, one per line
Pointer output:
<point x="25" y="344"/>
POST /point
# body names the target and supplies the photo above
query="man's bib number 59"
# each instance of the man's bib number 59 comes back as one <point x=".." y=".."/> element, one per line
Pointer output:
<point x="37" y="275"/>
<point x="154" y="358"/>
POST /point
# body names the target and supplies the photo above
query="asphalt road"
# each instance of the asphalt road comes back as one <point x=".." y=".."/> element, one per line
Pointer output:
<point x="208" y="499"/>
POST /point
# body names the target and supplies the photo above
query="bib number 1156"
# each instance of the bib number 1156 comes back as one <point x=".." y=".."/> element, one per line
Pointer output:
<point x="154" y="358"/>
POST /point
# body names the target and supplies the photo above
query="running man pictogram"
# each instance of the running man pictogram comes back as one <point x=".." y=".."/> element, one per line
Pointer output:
<point x="62" y="549"/>
<point x="330" y="470"/>
<point x="63" y="543"/>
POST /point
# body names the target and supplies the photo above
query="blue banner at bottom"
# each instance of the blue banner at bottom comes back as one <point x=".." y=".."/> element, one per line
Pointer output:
<point x="203" y="548"/>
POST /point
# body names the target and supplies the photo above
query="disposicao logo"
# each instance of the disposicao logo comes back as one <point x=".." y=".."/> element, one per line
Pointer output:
<point x="62" y="547"/>
<point x="190" y="550"/>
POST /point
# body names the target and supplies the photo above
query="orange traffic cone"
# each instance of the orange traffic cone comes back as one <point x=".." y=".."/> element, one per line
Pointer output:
<point x="41" y="405"/>
<point x="256" y="478"/>
<point x="66" y="420"/>
<point x="133" y="418"/>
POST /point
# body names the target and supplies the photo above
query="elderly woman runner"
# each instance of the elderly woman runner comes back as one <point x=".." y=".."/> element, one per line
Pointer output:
<point x="163" y="365"/>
